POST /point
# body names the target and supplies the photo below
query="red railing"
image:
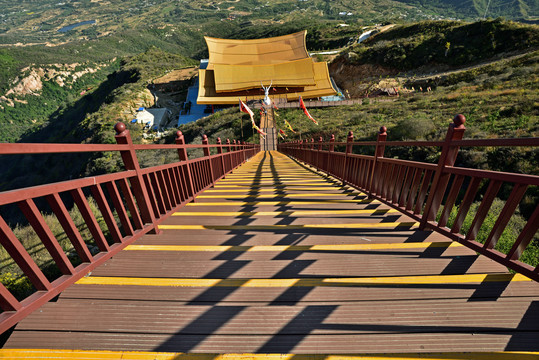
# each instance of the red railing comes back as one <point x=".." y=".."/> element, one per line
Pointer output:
<point x="130" y="204"/>
<point x="429" y="192"/>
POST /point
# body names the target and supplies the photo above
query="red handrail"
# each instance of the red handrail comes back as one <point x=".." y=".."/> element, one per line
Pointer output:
<point x="131" y="203"/>
<point x="429" y="192"/>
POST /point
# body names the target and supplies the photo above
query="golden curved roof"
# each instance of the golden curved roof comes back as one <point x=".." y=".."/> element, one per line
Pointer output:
<point x="243" y="77"/>
<point x="265" y="51"/>
<point x="208" y="95"/>
<point x="236" y="69"/>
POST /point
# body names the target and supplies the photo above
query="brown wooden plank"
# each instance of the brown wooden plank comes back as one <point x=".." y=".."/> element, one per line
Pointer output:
<point x="299" y="344"/>
<point x="404" y="316"/>
<point x="487" y="291"/>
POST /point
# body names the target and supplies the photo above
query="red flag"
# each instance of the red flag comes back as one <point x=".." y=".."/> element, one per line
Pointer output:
<point x="302" y="106"/>
<point x="244" y="108"/>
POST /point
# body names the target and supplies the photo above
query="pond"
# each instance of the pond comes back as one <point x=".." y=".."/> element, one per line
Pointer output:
<point x="72" y="26"/>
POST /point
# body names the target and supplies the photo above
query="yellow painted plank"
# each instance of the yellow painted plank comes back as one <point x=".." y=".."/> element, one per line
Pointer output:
<point x="286" y="213"/>
<point x="389" y="225"/>
<point x="275" y="190"/>
<point x="269" y="196"/>
<point x="308" y="282"/>
<point x="322" y="181"/>
<point x="143" y="355"/>
<point x="280" y="248"/>
<point x="278" y="186"/>
<point x="284" y="202"/>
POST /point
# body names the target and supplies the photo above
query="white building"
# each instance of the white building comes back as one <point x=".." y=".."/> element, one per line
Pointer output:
<point x="152" y="118"/>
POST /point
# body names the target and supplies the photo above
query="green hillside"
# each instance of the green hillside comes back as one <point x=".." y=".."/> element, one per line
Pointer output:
<point x="39" y="21"/>
<point x="465" y="9"/>
<point x="451" y="43"/>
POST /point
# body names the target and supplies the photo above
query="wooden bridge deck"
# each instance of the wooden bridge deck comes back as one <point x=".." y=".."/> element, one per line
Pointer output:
<point x="279" y="259"/>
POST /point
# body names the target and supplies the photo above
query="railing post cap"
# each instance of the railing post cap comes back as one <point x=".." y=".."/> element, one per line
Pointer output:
<point x="204" y="137"/>
<point x="383" y="130"/>
<point x="312" y="139"/>
<point x="228" y="141"/>
<point x="332" y="137"/>
<point x="120" y="128"/>
<point x="320" y="139"/>
<point x="459" y="120"/>
<point x="218" y="140"/>
<point x="179" y="134"/>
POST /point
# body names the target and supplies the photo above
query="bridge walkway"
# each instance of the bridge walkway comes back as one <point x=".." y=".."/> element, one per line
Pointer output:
<point x="278" y="258"/>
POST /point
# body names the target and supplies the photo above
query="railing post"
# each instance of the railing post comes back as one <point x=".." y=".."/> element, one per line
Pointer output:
<point x="235" y="147"/>
<point x="441" y="179"/>
<point x="182" y="154"/>
<point x="378" y="153"/>
<point x="207" y="154"/>
<point x="229" y="150"/>
<point x="311" y="152"/>
<point x="349" y="140"/>
<point x="331" y="155"/>
<point x="130" y="161"/>
<point x="220" y="153"/>
<point x="320" y="140"/>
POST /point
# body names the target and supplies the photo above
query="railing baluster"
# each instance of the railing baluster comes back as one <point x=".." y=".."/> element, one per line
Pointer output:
<point x="59" y="209"/>
<point x="221" y="157"/>
<point x="407" y="183"/>
<point x="21" y="257"/>
<point x="103" y="206"/>
<point x="207" y="154"/>
<point x="484" y="207"/>
<point x="413" y="190"/>
<point x="182" y="154"/>
<point x="182" y="178"/>
<point x="163" y="190"/>
<point x="89" y="219"/>
<point x="378" y="153"/>
<point x="152" y="199"/>
<point x="423" y="192"/>
<point x="173" y="181"/>
<point x="8" y="302"/>
<point x="120" y="209"/>
<point x="31" y="212"/>
<point x="450" y="201"/>
<point x="229" y="153"/>
<point x="465" y="204"/>
<point x="126" y="190"/>
<point x="508" y="210"/>
<point x="525" y="237"/>
<point x="157" y="193"/>
<point x="398" y="185"/>
<point x="385" y="183"/>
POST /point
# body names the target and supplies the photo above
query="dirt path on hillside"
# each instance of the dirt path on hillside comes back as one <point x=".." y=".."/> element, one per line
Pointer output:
<point x="430" y="75"/>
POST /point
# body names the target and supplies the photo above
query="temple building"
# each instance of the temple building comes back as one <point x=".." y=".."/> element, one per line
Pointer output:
<point x="237" y="69"/>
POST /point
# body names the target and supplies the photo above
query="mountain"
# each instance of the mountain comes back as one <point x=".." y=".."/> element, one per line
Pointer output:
<point x="54" y="22"/>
